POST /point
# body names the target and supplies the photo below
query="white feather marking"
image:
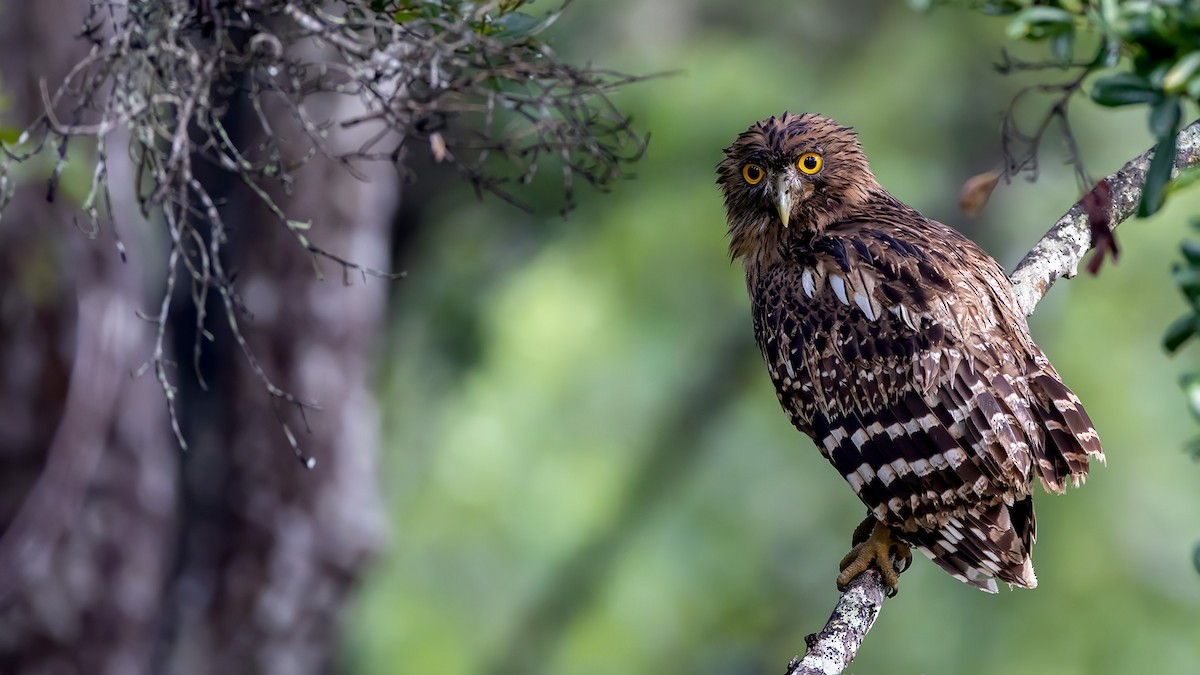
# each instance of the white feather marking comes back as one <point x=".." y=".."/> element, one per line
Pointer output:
<point x="810" y="286"/>
<point x="838" y="284"/>
<point x="920" y="467"/>
<point x="901" y="467"/>
<point x="855" y="482"/>
<point x="864" y="303"/>
<point x="956" y="457"/>
<point x="1062" y="405"/>
<point x="887" y="474"/>
<point x="866" y="471"/>
<point x="859" y="438"/>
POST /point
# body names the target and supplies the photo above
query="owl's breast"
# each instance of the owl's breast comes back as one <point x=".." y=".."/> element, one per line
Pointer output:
<point x="833" y="342"/>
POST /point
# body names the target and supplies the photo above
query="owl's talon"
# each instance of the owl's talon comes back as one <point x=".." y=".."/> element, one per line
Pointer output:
<point x="863" y="531"/>
<point x="875" y="550"/>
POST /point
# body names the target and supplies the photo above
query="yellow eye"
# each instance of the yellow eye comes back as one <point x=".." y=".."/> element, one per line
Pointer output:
<point x="810" y="163"/>
<point x="753" y="173"/>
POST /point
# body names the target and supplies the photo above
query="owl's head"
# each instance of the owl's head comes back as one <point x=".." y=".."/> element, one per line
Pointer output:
<point x="790" y="174"/>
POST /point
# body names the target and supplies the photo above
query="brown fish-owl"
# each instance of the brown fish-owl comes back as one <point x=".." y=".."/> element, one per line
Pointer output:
<point x="897" y="344"/>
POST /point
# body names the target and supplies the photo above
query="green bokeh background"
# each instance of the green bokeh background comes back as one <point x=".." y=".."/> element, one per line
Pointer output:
<point x="585" y="464"/>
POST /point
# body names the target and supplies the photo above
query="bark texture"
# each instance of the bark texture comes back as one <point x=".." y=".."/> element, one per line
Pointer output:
<point x="118" y="553"/>
<point x="87" y="503"/>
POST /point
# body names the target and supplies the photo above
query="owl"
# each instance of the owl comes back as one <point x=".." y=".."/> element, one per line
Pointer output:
<point x="897" y="345"/>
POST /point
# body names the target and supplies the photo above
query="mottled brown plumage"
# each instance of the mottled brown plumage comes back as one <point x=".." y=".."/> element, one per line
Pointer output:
<point x="897" y="345"/>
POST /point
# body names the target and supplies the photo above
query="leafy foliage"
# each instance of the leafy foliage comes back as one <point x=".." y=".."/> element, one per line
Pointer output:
<point x="1140" y="53"/>
<point x="1181" y="331"/>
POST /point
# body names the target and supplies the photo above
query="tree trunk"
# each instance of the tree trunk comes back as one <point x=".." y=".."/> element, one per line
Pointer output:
<point x="87" y="468"/>
<point x="118" y="552"/>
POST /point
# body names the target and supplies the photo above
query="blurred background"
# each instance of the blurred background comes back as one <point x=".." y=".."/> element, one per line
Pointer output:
<point x="553" y="447"/>
<point x="585" y="466"/>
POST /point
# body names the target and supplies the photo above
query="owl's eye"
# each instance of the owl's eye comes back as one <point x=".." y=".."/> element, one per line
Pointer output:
<point x="753" y="173"/>
<point x="810" y="163"/>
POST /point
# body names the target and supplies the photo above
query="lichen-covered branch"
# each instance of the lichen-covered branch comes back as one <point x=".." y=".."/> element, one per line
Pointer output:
<point x="832" y="649"/>
<point x="1056" y="255"/>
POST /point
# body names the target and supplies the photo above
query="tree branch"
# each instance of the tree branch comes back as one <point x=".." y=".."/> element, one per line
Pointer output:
<point x="1056" y="255"/>
<point x="831" y="650"/>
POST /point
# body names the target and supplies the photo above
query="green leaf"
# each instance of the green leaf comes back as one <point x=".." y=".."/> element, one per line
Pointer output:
<point x="1040" y="21"/>
<point x="1186" y="177"/>
<point x="1188" y="281"/>
<point x="1179" y="332"/>
<point x="1191" y="386"/>
<point x="1063" y="47"/>
<point x="1177" y="77"/>
<point x="1000" y="7"/>
<point x="1164" y="117"/>
<point x="1124" y="89"/>
<point x="1191" y="251"/>
<point x="1158" y="176"/>
<point x="10" y="135"/>
<point x="516" y="25"/>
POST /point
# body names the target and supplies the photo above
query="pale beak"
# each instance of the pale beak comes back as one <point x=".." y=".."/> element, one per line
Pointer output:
<point x="783" y="198"/>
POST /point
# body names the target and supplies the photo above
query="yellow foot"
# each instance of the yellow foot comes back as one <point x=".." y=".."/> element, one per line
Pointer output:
<point x="874" y="550"/>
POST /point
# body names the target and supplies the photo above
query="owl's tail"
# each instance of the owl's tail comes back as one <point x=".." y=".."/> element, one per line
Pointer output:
<point x="1070" y="437"/>
<point x="985" y="544"/>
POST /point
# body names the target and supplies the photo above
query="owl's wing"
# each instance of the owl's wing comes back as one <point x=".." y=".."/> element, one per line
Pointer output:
<point x="914" y="373"/>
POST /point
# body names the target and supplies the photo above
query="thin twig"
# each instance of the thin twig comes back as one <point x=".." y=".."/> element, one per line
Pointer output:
<point x="495" y="104"/>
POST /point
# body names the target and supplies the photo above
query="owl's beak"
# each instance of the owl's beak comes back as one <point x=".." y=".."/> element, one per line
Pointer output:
<point x="783" y="198"/>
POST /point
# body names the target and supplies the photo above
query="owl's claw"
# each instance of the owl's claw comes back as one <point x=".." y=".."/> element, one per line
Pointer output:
<point x="874" y="550"/>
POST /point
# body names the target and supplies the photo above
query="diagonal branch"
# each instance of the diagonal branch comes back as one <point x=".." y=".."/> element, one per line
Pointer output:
<point x="1059" y="252"/>
<point x="831" y="650"/>
<point x="1056" y="255"/>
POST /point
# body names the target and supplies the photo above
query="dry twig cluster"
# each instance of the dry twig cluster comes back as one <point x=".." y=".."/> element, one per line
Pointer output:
<point x="472" y="81"/>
